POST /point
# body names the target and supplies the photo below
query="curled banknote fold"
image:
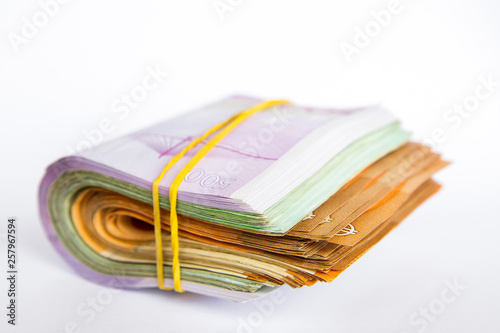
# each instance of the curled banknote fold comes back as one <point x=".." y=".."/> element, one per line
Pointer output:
<point x="293" y="195"/>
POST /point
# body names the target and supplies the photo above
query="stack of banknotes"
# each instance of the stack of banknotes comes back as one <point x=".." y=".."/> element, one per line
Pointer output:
<point x="292" y="196"/>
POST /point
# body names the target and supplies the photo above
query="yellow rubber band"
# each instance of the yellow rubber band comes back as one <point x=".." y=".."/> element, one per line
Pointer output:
<point x="225" y="128"/>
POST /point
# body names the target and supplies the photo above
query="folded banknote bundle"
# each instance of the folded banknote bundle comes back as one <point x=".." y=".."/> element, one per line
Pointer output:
<point x="288" y="195"/>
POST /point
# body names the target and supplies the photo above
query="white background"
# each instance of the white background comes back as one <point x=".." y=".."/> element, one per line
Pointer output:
<point x="65" y="78"/>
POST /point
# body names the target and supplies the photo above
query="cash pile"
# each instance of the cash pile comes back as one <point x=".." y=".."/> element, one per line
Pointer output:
<point x="293" y="196"/>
